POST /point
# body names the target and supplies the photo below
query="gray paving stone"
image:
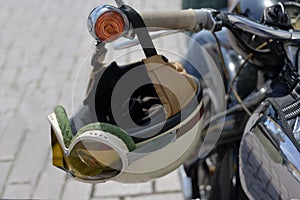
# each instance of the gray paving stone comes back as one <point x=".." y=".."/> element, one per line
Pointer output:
<point x="10" y="141"/>
<point x="50" y="184"/>
<point x="31" y="157"/>
<point x="175" y="196"/>
<point x="17" y="191"/>
<point x="168" y="183"/>
<point x="29" y="75"/>
<point x="76" y="190"/>
<point x="120" y="189"/>
<point x="10" y="102"/>
<point x="4" y="169"/>
<point x="5" y="117"/>
<point x="106" y="198"/>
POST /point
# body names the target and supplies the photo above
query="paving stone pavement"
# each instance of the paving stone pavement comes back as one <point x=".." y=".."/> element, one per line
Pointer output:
<point x="43" y="44"/>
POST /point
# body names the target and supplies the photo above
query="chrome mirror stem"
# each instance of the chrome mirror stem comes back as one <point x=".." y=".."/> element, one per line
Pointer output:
<point x="120" y="3"/>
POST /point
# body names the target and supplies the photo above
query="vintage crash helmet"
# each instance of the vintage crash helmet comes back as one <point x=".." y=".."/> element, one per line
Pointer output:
<point x="138" y="122"/>
<point x="268" y="12"/>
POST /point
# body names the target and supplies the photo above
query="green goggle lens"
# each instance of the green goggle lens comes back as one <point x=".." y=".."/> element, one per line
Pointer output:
<point x="91" y="159"/>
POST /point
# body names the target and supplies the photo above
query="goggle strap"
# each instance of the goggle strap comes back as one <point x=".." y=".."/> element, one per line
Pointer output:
<point x="64" y="124"/>
<point x="111" y="129"/>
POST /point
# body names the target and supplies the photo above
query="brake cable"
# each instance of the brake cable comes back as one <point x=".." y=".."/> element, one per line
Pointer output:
<point x="244" y="64"/>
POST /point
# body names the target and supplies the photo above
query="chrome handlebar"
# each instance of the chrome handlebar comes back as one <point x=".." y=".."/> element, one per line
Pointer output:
<point x="190" y="20"/>
<point x="193" y="20"/>
<point x="213" y="20"/>
<point x="245" y="24"/>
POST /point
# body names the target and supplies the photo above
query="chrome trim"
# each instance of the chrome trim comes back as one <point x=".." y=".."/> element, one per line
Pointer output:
<point x="259" y="29"/>
<point x="288" y="150"/>
<point x="296" y="35"/>
<point x="296" y="129"/>
<point x="97" y="12"/>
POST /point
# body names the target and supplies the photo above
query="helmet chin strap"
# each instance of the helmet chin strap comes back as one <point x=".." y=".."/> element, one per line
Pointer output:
<point x="140" y="29"/>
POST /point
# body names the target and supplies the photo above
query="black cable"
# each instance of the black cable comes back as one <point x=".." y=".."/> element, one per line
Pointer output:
<point x="221" y="56"/>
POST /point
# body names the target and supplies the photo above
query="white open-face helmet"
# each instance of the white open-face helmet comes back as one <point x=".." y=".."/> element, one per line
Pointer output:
<point x="138" y="122"/>
<point x="129" y="133"/>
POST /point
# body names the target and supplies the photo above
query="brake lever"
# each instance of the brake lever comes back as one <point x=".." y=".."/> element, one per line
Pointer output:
<point x="214" y="21"/>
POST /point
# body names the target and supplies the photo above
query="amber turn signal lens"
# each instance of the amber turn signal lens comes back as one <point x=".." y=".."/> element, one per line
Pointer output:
<point x="109" y="26"/>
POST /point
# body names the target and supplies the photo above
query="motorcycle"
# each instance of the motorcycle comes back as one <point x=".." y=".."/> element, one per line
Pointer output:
<point x="249" y="142"/>
<point x="243" y="164"/>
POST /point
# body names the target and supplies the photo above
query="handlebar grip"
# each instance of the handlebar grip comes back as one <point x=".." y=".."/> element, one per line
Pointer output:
<point x="190" y="20"/>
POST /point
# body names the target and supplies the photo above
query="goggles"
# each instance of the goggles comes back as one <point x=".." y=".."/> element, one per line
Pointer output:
<point x="97" y="152"/>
